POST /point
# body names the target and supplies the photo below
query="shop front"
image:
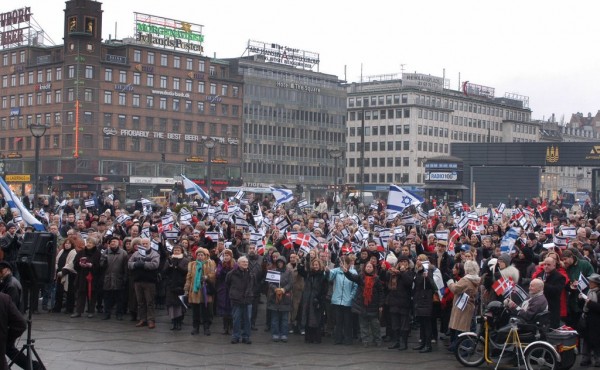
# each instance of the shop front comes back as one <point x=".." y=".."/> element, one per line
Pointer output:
<point x="444" y="179"/>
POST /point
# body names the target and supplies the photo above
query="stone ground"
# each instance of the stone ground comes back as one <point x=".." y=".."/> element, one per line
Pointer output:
<point x="91" y="344"/>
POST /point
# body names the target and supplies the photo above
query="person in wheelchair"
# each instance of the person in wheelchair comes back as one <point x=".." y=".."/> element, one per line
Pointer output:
<point x="536" y="304"/>
<point x="533" y="312"/>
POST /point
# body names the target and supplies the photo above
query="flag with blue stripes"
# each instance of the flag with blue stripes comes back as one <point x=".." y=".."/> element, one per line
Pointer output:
<point x="282" y="195"/>
<point x="191" y="188"/>
<point x="400" y="199"/>
<point x="15" y="203"/>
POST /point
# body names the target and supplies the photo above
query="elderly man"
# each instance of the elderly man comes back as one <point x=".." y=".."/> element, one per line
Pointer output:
<point x="537" y="302"/>
<point x="554" y="284"/>
<point x="240" y="283"/>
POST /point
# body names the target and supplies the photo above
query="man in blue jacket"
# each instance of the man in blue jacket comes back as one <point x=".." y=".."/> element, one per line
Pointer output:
<point x="341" y="300"/>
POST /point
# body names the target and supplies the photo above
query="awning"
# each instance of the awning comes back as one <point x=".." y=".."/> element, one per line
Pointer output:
<point x="445" y="186"/>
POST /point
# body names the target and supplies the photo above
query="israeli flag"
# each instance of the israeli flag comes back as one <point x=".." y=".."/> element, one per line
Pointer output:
<point x="282" y="195"/>
<point x="191" y="188"/>
<point x="399" y="199"/>
<point x="15" y="204"/>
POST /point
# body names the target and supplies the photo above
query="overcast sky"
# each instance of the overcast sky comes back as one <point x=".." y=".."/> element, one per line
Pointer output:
<point x="546" y="50"/>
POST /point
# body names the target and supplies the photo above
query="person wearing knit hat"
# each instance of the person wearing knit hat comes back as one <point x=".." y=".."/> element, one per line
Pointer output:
<point x="224" y="309"/>
<point x="507" y="270"/>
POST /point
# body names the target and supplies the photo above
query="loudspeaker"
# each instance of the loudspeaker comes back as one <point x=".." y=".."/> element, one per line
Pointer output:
<point x="37" y="257"/>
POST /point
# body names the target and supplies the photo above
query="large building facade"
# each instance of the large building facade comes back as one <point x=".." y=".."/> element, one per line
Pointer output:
<point x="293" y="119"/>
<point x="403" y="122"/>
<point x="126" y="115"/>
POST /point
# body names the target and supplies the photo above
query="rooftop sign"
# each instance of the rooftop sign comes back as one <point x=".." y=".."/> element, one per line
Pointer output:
<point x="10" y="22"/>
<point x="280" y="54"/>
<point x="168" y="33"/>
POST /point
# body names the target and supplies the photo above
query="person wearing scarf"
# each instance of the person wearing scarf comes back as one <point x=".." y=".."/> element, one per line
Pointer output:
<point x="199" y="288"/>
<point x="367" y="303"/>
<point x="176" y="270"/>
<point x="463" y="311"/>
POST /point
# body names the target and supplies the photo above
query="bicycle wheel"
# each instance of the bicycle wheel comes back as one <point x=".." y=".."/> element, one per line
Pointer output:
<point x="469" y="351"/>
<point x="540" y="357"/>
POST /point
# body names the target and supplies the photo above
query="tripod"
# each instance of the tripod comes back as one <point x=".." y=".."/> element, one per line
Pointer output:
<point x="513" y="338"/>
<point x="29" y="344"/>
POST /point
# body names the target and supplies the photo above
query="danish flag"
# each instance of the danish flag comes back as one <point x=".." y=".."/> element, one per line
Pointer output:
<point x="542" y="208"/>
<point x="503" y="286"/>
<point x="454" y="234"/>
<point x="303" y="240"/>
<point x="549" y="229"/>
<point x="287" y="244"/>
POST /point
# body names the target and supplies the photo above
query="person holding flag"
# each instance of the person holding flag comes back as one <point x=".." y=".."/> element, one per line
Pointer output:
<point x="554" y="287"/>
<point x="589" y="322"/>
<point x="463" y="304"/>
<point x="537" y="302"/>
<point x="576" y="268"/>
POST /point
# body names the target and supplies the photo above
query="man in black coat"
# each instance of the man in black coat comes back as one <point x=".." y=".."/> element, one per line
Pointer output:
<point x="10" y="245"/>
<point x="9" y="284"/>
<point x="240" y="283"/>
<point x="12" y="325"/>
<point x="554" y="283"/>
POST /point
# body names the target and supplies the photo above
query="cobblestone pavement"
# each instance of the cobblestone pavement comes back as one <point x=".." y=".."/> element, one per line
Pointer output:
<point x="91" y="343"/>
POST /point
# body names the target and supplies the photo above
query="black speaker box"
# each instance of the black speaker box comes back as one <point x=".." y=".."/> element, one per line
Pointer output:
<point x="37" y="257"/>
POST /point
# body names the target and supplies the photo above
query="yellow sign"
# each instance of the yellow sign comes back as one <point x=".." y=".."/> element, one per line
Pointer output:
<point x="18" y="178"/>
<point x="194" y="159"/>
<point x="552" y="154"/>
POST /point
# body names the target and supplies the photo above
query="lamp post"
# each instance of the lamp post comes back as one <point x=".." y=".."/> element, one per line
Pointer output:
<point x="335" y="154"/>
<point x="2" y="164"/>
<point x="209" y="144"/>
<point x="37" y="130"/>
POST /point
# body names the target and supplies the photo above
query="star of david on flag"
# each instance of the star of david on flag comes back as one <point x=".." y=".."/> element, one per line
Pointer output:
<point x="400" y="199"/>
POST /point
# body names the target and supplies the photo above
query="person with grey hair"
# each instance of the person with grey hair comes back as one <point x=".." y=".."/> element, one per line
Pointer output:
<point x="537" y="302"/>
<point x="240" y="283"/>
<point x="463" y="304"/>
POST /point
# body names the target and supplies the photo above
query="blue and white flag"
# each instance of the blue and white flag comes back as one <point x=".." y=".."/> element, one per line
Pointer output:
<point x="239" y="195"/>
<point x="399" y="199"/>
<point x="508" y="240"/>
<point x="583" y="283"/>
<point x="15" y="204"/>
<point x="191" y="188"/>
<point x="282" y="195"/>
<point x="303" y="204"/>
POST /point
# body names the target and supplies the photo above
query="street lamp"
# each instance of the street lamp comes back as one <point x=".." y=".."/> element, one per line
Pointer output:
<point x="209" y="144"/>
<point x="335" y="154"/>
<point x="2" y="164"/>
<point x="37" y="130"/>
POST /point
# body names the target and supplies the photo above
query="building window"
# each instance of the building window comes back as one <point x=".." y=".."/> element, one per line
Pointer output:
<point x="224" y="90"/>
<point x="122" y="120"/>
<point x="58" y="73"/>
<point x="212" y="71"/>
<point x="224" y="109"/>
<point x="213" y="109"/>
<point x="201" y="87"/>
<point x="176" y="105"/>
<point x="71" y="72"/>
<point x="163" y="82"/>
<point x="89" y="72"/>
<point x="188" y="85"/>
<point x="213" y="89"/>
<point x="201" y="107"/>
<point x="107" y="143"/>
<point x="176" y="62"/>
<point x="122" y="77"/>
<point x="137" y="56"/>
<point x="175" y="83"/>
<point x="150" y="57"/>
<point x="135" y="121"/>
<point x="189" y="64"/>
<point x="107" y="119"/>
<point x="162" y="104"/>
<point x="122" y="99"/>
<point x="108" y="75"/>
<point x="188" y="106"/>
<point x="150" y="101"/>
<point x="137" y="78"/>
<point x="149" y="123"/>
<point x="88" y="95"/>
<point x="135" y="100"/>
<point x="58" y="96"/>
<point x="164" y="60"/>
<point x="88" y="118"/>
<point x="201" y="66"/>
<point x="235" y="91"/>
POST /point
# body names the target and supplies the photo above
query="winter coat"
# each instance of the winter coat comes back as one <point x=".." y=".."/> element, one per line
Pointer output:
<point x="580" y="267"/>
<point x="443" y="263"/>
<point x="592" y="319"/>
<point x="175" y="273"/>
<point x="223" y="301"/>
<point x="399" y="297"/>
<point x="255" y="264"/>
<point x="461" y="319"/>
<point x="10" y="246"/>
<point x="343" y="288"/>
<point x="148" y="273"/>
<point x="554" y="290"/>
<point x="297" y="286"/>
<point x="377" y="298"/>
<point x="423" y="292"/>
<point x="240" y="284"/>
<point x="285" y="282"/>
<point x="82" y="258"/>
<point x="209" y="279"/>
<point x="316" y="285"/>
<point x="12" y="325"/>
<point x="114" y="264"/>
<point x="67" y="268"/>
<point x="11" y="286"/>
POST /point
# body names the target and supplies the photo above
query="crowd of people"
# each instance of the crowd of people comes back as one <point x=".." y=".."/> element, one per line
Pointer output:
<point x="371" y="276"/>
